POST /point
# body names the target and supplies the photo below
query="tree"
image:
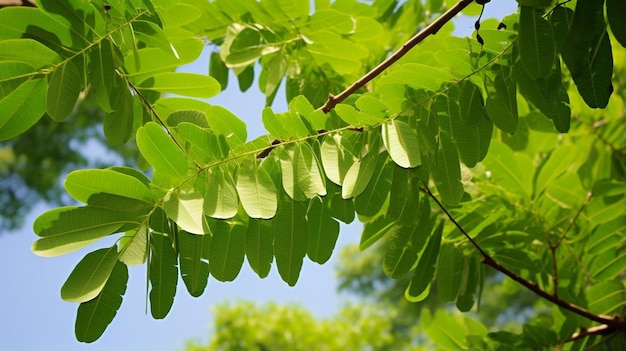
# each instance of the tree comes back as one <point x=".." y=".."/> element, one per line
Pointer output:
<point x="245" y="326"/>
<point x="403" y="138"/>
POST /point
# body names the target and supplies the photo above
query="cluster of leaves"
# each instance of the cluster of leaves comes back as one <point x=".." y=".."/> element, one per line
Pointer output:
<point x="215" y="199"/>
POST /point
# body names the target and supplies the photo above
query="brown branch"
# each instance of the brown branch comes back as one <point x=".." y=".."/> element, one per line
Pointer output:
<point x="585" y="332"/>
<point x="614" y="323"/>
<point x="432" y="28"/>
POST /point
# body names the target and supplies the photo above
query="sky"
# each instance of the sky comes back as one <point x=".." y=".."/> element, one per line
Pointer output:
<point x="33" y="316"/>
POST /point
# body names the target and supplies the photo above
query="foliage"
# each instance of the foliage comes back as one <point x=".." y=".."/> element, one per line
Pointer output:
<point x="451" y="152"/>
<point x="246" y="326"/>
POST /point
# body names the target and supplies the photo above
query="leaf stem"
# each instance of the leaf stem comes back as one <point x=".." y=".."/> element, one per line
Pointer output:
<point x="432" y="28"/>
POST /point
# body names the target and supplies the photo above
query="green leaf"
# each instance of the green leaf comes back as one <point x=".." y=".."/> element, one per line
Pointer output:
<point x="356" y="118"/>
<point x="220" y="200"/>
<point x="294" y="8"/>
<point x="471" y="134"/>
<point x="185" y="208"/>
<point x="227" y="124"/>
<point x="284" y="126"/>
<point x="562" y="160"/>
<point x="449" y="270"/>
<point x="90" y="275"/>
<point x="151" y="34"/>
<point x="161" y="152"/>
<point x="323" y="232"/>
<point x="67" y="229"/>
<point x="88" y="186"/>
<point x="344" y="56"/>
<point x="371" y="200"/>
<point x="606" y="297"/>
<point x="194" y="261"/>
<point x="12" y="75"/>
<point x="22" y="108"/>
<point x="259" y="246"/>
<point x="218" y="70"/>
<point x="401" y="142"/>
<point x="425" y="270"/>
<point x="102" y="73"/>
<point x="376" y="229"/>
<point x="615" y="14"/>
<point x="243" y="46"/>
<point x="227" y="249"/>
<point x="202" y="145"/>
<point x="94" y="316"/>
<point x="21" y="21"/>
<point x="63" y="89"/>
<point x="537" y="47"/>
<point x="186" y="84"/>
<point x="505" y="168"/>
<point x="336" y="157"/>
<point x="470" y="278"/>
<point x="290" y="239"/>
<point x="163" y="275"/>
<point x="406" y="242"/>
<point x="548" y="95"/>
<point x="301" y="173"/>
<point x="120" y="120"/>
<point x="134" y="246"/>
<point x="358" y="176"/>
<point x="501" y="100"/>
<point x="447" y="174"/>
<point x="256" y="191"/>
<point x="28" y="51"/>
<point x="586" y="50"/>
<point x="404" y="203"/>
<point x="471" y="103"/>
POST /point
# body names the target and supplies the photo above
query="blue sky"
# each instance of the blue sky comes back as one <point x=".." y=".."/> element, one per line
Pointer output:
<point x="33" y="316"/>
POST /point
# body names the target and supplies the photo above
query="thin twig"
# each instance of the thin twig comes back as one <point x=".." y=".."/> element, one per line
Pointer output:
<point x="555" y="246"/>
<point x="432" y="28"/>
<point x="614" y="323"/>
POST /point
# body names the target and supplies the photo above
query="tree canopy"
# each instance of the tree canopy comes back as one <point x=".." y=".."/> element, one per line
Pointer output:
<point x="503" y="151"/>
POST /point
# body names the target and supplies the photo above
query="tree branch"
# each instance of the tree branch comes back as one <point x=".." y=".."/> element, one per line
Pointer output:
<point x="432" y="28"/>
<point x="613" y="323"/>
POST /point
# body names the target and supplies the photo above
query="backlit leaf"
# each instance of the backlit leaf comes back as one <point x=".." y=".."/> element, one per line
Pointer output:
<point x="185" y="208"/>
<point x="67" y="229"/>
<point x="90" y="275"/>
<point x="301" y="173"/>
<point x="161" y="152"/>
<point x="220" y="200"/>
<point x="94" y="316"/>
<point x="186" y="84"/>
<point x="87" y="185"/>
<point x="256" y="191"/>
<point x="401" y="142"/>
